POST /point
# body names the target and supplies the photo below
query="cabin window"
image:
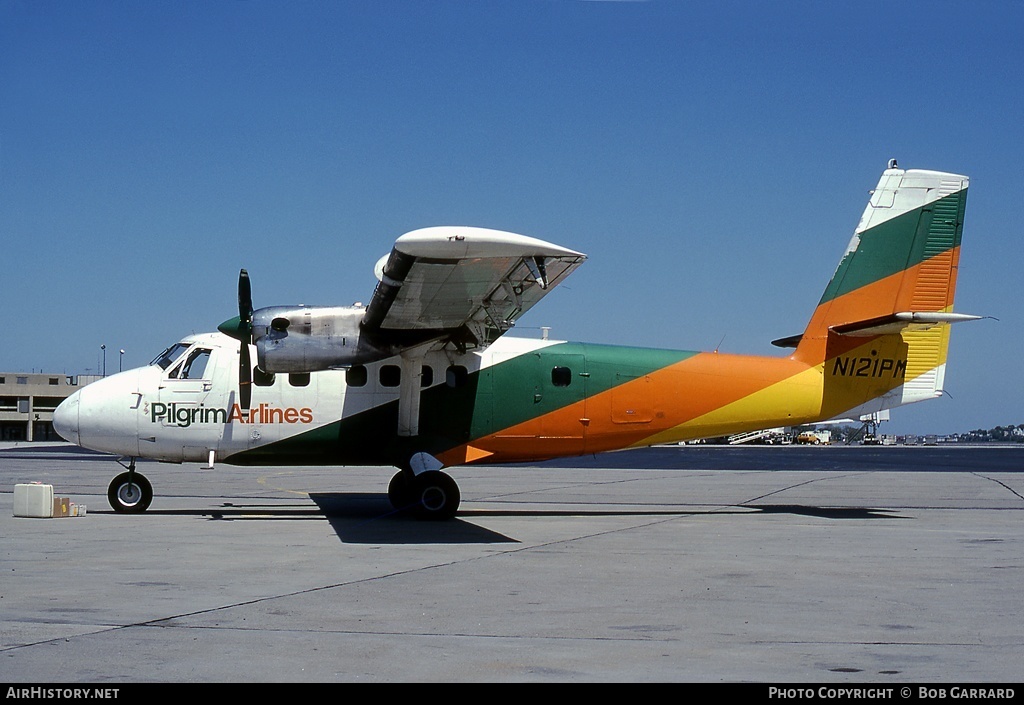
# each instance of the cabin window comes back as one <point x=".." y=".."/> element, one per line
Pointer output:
<point x="262" y="379"/>
<point x="426" y="376"/>
<point x="298" y="379"/>
<point x="456" y="376"/>
<point x="195" y="365"/>
<point x="356" y="376"/>
<point x="390" y="375"/>
<point x="561" y="376"/>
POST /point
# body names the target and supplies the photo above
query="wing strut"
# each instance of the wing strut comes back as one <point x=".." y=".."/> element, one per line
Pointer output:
<point x="409" y="392"/>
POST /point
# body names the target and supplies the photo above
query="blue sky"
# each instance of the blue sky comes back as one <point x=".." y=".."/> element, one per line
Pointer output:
<point x="711" y="159"/>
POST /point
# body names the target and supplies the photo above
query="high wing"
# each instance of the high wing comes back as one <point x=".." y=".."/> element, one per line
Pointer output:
<point x="469" y="284"/>
<point x="460" y="285"/>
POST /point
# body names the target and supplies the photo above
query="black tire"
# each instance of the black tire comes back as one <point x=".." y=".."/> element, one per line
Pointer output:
<point x="435" y="496"/>
<point x="130" y="497"/>
<point x="400" y="491"/>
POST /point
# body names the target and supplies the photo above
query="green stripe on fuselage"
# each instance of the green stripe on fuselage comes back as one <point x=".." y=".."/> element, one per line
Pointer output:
<point x="507" y="393"/>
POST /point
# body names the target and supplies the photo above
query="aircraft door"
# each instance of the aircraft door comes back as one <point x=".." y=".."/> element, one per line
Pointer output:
<point x="186" y="427"/>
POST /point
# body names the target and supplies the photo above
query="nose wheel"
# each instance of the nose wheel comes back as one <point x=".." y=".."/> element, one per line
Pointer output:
<point x="130" y="492"/>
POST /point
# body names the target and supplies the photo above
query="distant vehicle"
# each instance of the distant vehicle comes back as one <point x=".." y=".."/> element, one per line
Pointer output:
<point x="814" y="438"/>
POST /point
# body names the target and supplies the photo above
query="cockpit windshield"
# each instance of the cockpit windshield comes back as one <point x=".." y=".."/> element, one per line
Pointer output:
<point x="169" y="355"/>
<point x="193" y="366"/>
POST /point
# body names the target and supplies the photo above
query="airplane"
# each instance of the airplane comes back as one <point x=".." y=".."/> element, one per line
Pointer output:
<point x="423" y="377"/>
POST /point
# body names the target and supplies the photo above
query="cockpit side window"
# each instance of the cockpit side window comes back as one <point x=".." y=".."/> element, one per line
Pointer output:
<point x="168" y="356"/>
<point x="193" y="366"/>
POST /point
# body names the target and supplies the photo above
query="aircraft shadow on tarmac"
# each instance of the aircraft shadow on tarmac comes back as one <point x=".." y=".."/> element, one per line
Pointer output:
<point x="355" y="518"/>
<point x="369" y="518"/>
<point x="827" y="512"/>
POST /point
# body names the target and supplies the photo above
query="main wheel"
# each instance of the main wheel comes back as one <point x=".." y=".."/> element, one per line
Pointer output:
<point x="130" y="493"/>
<point x="400" y="491"/>
<point x="435" y="495"/>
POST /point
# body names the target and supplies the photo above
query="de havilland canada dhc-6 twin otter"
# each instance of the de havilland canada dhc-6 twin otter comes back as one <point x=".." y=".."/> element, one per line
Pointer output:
<point x="423" y="378"/>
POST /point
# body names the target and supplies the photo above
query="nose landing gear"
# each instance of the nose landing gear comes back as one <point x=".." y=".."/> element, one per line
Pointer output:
<point x="130" y="492"/>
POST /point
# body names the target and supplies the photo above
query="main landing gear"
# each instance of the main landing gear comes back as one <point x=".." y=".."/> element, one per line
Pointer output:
<point x="130" y="492"/>
<point x="430" y="495"/>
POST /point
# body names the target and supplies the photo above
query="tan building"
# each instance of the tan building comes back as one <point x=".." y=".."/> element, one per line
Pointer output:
<point x="27" y="401"/>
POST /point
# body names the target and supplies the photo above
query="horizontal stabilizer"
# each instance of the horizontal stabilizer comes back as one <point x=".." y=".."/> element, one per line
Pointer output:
<point x="883" y="325"/>
<point x="788" y="342"/>
<point x="898" y="322"/>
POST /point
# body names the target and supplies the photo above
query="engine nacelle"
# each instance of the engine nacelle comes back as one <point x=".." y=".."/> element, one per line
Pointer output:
<point x="311" y="338"/>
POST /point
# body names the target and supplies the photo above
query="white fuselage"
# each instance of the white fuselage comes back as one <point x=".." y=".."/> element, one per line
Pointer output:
<point x="179" y="415"/>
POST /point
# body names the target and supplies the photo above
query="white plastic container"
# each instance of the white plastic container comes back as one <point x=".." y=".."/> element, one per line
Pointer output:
<point x="33" y="500"/>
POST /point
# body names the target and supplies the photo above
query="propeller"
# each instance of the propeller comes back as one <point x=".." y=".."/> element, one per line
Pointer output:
<point x="245" y="320"/>
<point x="240" y="328"/>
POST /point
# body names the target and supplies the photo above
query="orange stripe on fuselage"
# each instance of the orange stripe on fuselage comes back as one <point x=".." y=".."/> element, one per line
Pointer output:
<point x="689" y="390"/>
<point x="681" y="392"/>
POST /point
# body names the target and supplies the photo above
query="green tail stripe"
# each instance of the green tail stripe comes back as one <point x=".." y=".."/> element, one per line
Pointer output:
<point x="897" y="244"/>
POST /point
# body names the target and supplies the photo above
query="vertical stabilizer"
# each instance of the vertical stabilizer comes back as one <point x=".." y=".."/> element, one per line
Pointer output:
<point x="881" y="329"/>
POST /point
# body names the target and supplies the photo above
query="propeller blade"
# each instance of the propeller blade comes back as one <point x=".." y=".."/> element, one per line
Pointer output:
<point x="245" y="331"/>
<point x="244" y="377"/>
<point x="244" y="297"/>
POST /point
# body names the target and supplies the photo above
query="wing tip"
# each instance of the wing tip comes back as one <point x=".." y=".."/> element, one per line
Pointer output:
<point x="472" y="241"/>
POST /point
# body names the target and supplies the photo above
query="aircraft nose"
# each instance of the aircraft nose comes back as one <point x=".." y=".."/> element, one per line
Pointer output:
<point x="65" y="418"/>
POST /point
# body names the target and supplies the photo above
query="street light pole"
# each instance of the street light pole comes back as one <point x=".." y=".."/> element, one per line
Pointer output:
<point x="120" y="361"/>
<point x="104" y="349"/>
